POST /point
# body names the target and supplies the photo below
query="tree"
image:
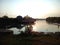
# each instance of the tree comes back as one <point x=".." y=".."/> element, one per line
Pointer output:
<point x="19" y="17"/>
<point x="5" y="17"/>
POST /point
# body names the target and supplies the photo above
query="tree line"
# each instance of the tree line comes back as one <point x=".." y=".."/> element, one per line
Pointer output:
<point x="19" y="21"/>
<point x="53" y="19"/>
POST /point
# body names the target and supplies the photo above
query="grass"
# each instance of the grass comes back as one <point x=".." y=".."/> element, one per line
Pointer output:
<point x="29" y="40"/>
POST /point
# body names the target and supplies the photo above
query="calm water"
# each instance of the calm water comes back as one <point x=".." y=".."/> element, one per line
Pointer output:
<point x="40" y="26"/>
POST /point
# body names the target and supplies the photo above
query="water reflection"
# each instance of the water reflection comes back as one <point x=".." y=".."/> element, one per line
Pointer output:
<point x="28" y="28"/>
<point x="40" y="26"/>
<point x="58" y="26"/>
<point x="43" y="26"/>
<point x="16" y="30"/>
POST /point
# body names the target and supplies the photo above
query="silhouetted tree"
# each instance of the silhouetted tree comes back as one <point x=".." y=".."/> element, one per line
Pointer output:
<point x="19" y="19"/>
<point x="5" y="16"/>
<point x="53" y="19"/>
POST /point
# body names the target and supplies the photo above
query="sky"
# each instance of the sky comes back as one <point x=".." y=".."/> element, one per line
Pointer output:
<point x="32" y="8"/>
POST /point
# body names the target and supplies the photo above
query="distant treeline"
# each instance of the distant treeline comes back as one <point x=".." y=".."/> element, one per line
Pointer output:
<point x="53" y="19"/>
<point x="5" y="21"/>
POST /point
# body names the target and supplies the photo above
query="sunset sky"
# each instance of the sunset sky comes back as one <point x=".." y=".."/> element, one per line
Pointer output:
<point x="33" y="8"/>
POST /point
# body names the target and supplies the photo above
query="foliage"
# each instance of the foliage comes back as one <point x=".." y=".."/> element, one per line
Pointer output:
<point x="6" y="22"/>
<point x="53" y="19"/>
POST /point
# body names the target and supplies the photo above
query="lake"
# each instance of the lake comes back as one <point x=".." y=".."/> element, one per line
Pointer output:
<point x="39" y="26"/>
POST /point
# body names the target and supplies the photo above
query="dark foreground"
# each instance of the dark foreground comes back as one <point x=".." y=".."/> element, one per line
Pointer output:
<point x="29" y="40"/>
